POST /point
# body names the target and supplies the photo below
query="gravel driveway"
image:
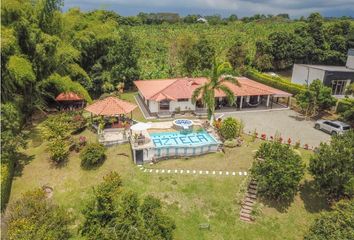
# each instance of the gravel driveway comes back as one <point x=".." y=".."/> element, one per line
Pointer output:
<point x="286" y="122"/>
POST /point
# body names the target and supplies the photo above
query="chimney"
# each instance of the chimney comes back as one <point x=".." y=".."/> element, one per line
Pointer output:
<point x="350" y="59"/>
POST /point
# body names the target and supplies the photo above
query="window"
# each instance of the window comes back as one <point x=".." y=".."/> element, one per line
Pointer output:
<point x="183" y="100"/>
<point x="338" y="86"/>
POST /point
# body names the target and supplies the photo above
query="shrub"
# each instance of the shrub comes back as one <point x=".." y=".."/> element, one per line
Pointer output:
<point x="92" y="155"/>
<point x="335" y="224"/>
<point x="230" y="128"/>
<point x="231" y="143"/>
<point x="297" y="144"/>
<point x="275" y="82"/>
<point x="280" y="173"/>
<point x="344" y="105"/>
<point x="345" y="108"/>
<point x="59" y="150"/>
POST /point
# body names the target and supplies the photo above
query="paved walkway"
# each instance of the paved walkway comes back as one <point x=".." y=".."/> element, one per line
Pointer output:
<point x="191" y="172"/>
<point x="288" y="123"/>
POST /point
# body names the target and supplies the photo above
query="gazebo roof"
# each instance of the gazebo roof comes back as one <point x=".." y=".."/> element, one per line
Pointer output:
<point x="68" y="96"/>
<point x="110" y="106"/>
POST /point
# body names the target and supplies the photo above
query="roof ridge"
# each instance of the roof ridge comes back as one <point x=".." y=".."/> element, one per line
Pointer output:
<point x="175" y="80"/>
<point x="247" y="79"/>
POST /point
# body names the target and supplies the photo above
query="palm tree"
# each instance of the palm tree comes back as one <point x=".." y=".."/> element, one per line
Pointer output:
<point x="216" y="81"/>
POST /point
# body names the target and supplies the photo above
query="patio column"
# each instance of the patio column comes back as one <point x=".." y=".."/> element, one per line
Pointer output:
<point x="268" y="98"/>
<point x="241" y="101"/>
<point x="258" y="98"/>
<point x="289" y="101"/>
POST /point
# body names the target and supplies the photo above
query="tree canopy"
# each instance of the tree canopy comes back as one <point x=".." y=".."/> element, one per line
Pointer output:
<point x="278" y="171"/>
<point x="337" y="224"/>
<point x="332" y="166"/>
<point x="33" y="216"/>
<point x="115" y="213"/>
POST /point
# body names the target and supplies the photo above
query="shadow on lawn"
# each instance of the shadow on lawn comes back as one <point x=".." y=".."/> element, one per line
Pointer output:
<point x="22" y="161"/>
<point x="313" y="201"/>
<point x="279" y="206"/>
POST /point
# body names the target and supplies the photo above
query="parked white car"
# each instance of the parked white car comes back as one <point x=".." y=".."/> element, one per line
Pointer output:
<point x="332" y="127"/>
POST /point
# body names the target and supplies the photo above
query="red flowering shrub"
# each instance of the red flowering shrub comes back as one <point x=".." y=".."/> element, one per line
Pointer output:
<point x="263" y="136"/>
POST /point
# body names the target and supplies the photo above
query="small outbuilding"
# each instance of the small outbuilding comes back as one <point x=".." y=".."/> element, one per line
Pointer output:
<point x="70" y="101"/>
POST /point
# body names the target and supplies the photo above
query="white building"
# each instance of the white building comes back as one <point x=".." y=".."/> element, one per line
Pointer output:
<point x="163" y="97"/>
<point x="336" y="77"/>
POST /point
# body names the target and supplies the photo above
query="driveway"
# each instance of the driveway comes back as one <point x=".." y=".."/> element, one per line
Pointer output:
<point x="288" y="123"/>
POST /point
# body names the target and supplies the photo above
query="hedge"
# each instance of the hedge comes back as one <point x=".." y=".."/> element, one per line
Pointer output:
<point x="344" y="105"/>
<point x="275" y="82"/>
<point x="7" y="172"/>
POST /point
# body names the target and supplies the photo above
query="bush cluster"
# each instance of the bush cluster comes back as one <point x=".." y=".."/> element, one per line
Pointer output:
<point x="345" y="108"/>
<point x="230" y="128"/>
<point x="275" y="82"/>
<point x="92" y="155"/>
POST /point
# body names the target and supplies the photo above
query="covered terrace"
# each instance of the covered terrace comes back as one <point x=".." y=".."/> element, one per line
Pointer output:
<point x="112" y="118"/>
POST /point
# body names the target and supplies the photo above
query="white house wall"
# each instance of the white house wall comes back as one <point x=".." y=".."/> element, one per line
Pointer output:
<point x="301" y="73"/>
<point x="350" y="62"/>
<point x="153" y="106"/>
<point x="184" y="106"/>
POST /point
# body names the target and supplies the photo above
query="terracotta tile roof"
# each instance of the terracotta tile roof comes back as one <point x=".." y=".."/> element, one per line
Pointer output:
<point x="110" y="106"/>
<point x="179" y="88"/>
<point x="68" y="96"/>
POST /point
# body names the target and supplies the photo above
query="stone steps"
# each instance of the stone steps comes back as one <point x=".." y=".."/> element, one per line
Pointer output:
<point x="252" y="191"/>
<point x="248" y="202"/>
<point x="251" y="195"/>
<point x="247" y="207"/>
<point x="247" y="211"/>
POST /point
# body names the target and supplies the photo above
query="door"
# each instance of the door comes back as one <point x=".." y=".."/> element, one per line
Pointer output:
<point x="139" y="156"/>
<point x="164" y="105"/>
<point x="326" y="126"/>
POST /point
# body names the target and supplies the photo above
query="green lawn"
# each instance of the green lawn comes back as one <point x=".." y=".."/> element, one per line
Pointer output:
<point x="190" y="200"/>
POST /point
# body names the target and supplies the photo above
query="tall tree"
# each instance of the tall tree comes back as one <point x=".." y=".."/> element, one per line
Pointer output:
<point x="117" y="214"/>
<point x="279" y="172"/>
<point x="315" y="99"/>
<point x="196" y="57"/>
<point x="337" y="224"/>
<point x="332" y="166"/>
<point x="217" y="80"/>
<point x="123" y="59"/>
<point x="237" y="55"/>
<point x="34" y="216"/>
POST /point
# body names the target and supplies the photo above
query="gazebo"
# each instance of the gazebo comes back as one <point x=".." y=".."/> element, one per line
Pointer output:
<point x="112" y="107"/>
<point x="70" y="100"/>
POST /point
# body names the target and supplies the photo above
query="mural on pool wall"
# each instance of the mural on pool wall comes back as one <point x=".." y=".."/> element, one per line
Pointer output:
<point x="182" y="140"/>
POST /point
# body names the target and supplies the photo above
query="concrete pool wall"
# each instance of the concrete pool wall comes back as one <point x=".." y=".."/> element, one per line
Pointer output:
<point x="152" y="151"/>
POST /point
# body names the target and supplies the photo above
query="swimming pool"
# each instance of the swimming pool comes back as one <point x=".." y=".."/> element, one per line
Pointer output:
<point x="177" y="139"/>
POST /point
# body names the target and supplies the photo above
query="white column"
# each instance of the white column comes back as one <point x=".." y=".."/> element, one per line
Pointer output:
<point x="258" y="98"/>
<point x="241" y="101"/>
<point x="268" y="98"/>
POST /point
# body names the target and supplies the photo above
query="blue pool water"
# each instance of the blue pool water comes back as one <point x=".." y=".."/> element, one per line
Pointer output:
<point x="165" y="139"/>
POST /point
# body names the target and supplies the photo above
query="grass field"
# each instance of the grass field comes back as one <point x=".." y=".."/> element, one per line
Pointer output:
<point x="189" y="200"/>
